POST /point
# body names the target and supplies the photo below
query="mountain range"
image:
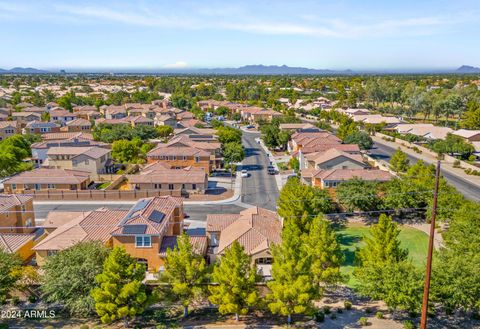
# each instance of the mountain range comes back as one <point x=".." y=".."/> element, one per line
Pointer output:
<point x="243" y="70"/>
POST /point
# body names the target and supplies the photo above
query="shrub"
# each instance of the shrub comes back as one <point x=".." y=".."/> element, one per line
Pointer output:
<point x="32" y="298"/>
<point x="472" y="158"/>
<point x="339" y="310"/>
<point x="15" y="300"/>
<point x="319" y="316"/>
<point x="49" y="327"/>
<point x="84" y="326"/>
<point x="368" y="310"/>
<point x="456" y="164"/>
<point x="333" y="316"/>
<point x="3" y="326"/>
<point x="161" y="326"/>
<point x="348" y="305"/>
<point x="326" y="309"/>
<point x="379" y="315"/>
<point x="363" y="321"/>
<point x="407" y="324"/>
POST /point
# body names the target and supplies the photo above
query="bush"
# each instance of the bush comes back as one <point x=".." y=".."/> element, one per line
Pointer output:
<point x="49" y="327"/>
<point x="379" y="315"/>
<point x="32" y="298"/>
<point x="319" y="316"/>
<point x="3" y="326"/>
<point x="339" y="310"/>
<point x="363" y="321"/>
<point x="333" y="316"/>
<point x="161" y="326"/>
<point x="326" y="309"/>
<point x="407" y="324"/>
<point x="348" y="305"/>
<point x="368" y="310"/>
<point x="84" y="326"/>
<point x="15" y="300"/>
<point x="456" y="164"/>
<point x="472" y="158"/>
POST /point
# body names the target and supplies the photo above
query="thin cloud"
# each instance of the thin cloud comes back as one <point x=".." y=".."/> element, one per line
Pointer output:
<point x="176" y="65"/>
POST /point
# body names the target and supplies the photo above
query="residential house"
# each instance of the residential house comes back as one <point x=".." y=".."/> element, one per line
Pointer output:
<point x="16" y="213"/>
<point x="20" y="244"/>
<point x="62" y="116"/>
<point x="334" y="159"/>
<point x="67" y="136"/>
<point x="468" y="135"/>
<point x="35" y="109"/>
<point x="115" y="112"/>
<point x="88" y="115"/>
<point x="330" y="178"/>
<point x="354" y="112"/>
<point x="256" y="229"/>
<point x="186" y="123"/>
<point x="55" y="219"/>
<point x="139" y="121"/>
<point x="375" y="119"/>
<point x="93" y="159"/>
<point x="296" y="127"/>
<point x="165" y="120"/>
<point x="146" y="231"/>
<point x="41" y="127"/>
<point x="25" y="117"/>
<point x="303" y="140"/>
<point x="256" y="114"/>
<point x="426" y="131"/>
<point x="78" y="124"/>
<point x="8" y="129"/>
<point x="47" y="179"/>
<point x="159" y="176"/>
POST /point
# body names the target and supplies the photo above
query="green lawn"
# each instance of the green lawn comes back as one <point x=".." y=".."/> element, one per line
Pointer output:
<point x="351" y="237"/>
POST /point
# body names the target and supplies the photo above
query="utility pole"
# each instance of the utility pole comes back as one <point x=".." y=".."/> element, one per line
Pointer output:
<point x="426" y="288"/>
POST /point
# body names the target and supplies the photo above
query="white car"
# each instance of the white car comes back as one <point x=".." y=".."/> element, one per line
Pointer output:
<point x="244" y="173"/>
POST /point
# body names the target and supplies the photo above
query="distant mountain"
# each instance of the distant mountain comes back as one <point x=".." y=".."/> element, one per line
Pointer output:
<point x="23" y="70"/>
<point x="467" y="69"/>
<point x="268" y="70"/>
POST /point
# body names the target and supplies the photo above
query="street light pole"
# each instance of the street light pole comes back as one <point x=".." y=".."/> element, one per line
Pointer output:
<point x="426" y="288"/>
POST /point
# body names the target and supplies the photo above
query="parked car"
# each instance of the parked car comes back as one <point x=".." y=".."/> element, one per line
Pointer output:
<point x="244" y="173"/>
<point x="250" y="127"/>
<point x="271" y="170"/>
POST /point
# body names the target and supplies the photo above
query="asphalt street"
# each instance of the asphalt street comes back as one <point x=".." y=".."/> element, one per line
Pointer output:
<point x="470" y="191"/>
<point x="259" y="188"/>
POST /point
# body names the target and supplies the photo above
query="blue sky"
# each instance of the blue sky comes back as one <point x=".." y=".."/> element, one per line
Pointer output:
<point x="356" y="34"/>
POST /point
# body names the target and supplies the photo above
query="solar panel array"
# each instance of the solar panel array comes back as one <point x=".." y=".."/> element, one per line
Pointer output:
<point x="134" y="229"/>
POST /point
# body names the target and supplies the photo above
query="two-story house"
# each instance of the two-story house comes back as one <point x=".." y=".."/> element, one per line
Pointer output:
<point x="41" y="127"/>
<point x="16" y="213"/>
<point x="8" y="129"/>
<point x="93" y="159"/>
<point x="78" y="124"/>
<point x="62" y="116"/>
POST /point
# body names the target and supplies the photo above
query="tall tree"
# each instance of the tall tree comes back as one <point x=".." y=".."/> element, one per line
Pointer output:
<point x="292" y="288"/>
<point x="358" y="194"/>
<point x="361" y="138"/>
<point x="399" y="161"/>
<point x="69" y="276"/>
<point x="9" y="272"/>
<point x="185" y="272"/>
<point x="300" y="203"/>
<point x="234" y="277"/>
<point x="121" y="294"/>
<point x="325" y="254"/>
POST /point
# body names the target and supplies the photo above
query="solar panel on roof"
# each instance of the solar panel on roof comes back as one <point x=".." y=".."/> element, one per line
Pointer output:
<point x="134" y="229"/>
<point x="141" y="204"/>
<point x="156" y="216"/>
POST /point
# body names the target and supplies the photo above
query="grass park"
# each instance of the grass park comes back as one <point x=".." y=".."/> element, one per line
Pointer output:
<point x="351" y="237"/>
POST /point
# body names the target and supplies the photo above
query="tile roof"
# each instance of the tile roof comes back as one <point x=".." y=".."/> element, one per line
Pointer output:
<point x="79" y="122"/>
<point x="465" y="133"/>
<point x="218" y="222"/>
<point x="56" y="219"/>
<point x="172" y="176"/>
<point x="255" y="229"/>
<point x="163" y="150"/>
<point x="332" y="153"/>
<point x="346" y="174"/>
<point x="153" y="213"/>
<point x="11" y="242"/>
<point x="6" y="124"/>
<point x="7" y="201"/>
<point x="315" y="148"/>
<point x="296" y="126"/>
<point x="94" y="225"/>
<point x="93" y="152"/>
<point x="67" y="135"/>
<point x="199" y="244"/>
<point x="313" y="138"/>
<point x="61" y="113"/>
<point x="49" y="176"/>
<point x="41" y="124"/>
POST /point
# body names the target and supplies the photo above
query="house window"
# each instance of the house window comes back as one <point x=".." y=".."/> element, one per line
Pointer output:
<point x="50" y="186"/>
<point x="265" y="260"/>
<point x="194" y="186"/>
<point x="143" y="241"/>
<point x="86" y="161"/>
<point x="23" y="208"/>
<point x="14" y="186"/>
<point x="170" y="186"/>
<point x="183" y="186"/>
<point x="28" y="223"/>
<point x="197" y="159"/>
<point x="51" y="252"/>
<point x="74" y="163"/>
<point x="37" y="187"/>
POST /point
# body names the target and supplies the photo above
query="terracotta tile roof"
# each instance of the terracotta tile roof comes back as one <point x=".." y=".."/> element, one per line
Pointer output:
<point x="164" y="150"/>
<point x="26" y="114"/>
<point x="375" y="119"/>
<point x="56" y="219"/>
<point x="170" y="176"/>
<point x="152" y="213"/>
<point x="122" y="121"/>
<point x="218" y="222"/>
<point x="12" y="242"/>
<point x="199" y="244"/>
<point x="91" y="226"/>
<point x="79" y="122"/>
<point x="332" y="153"/>
<point x="93" y="152"/>
<point x="187" y="141"/>
<point x="139" y="119"/>
<point x="314" y="138"/>
<point x="465" y="133"/>
<point x="35" y="109"/>
<point x="296" y="126"/>
<point x="313" y="148"/>
<point x="255" y="229"/>
<point x="7" y="201"/>
<point x="67" y="135"/>
<point x="41" y="124"/>
<point x="346" y="174"/>
<point x="61" y="113"/>
<point x="6" y="124"/>
<point x="49" y="176"/>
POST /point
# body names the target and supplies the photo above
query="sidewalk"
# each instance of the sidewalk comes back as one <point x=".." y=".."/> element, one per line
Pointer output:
<point x="271" y="158"/>
<point x="430" y="160"/>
